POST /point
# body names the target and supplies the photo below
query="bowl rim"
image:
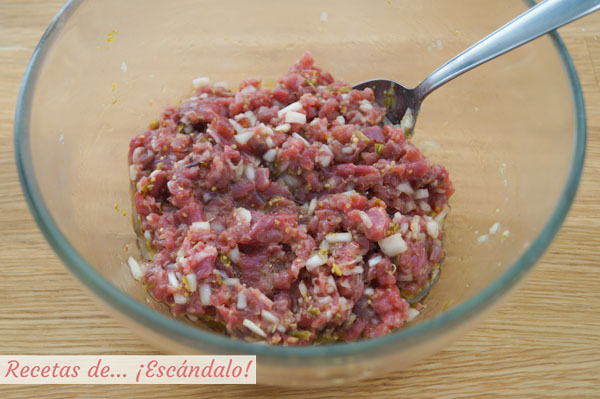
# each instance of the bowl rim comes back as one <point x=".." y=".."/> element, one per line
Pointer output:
<point x="204" y="340"/>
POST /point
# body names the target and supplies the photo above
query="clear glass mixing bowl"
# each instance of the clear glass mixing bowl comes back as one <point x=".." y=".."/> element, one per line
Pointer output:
<point x="512" y="134"/>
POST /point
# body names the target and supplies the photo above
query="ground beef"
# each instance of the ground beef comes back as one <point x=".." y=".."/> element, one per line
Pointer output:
<point x="290" y="215"/>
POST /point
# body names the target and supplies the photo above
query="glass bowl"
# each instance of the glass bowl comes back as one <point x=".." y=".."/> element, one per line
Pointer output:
<point x="512" y="134"/>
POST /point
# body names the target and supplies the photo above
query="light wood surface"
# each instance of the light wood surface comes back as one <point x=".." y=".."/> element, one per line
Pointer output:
<point x="543" y="343"/>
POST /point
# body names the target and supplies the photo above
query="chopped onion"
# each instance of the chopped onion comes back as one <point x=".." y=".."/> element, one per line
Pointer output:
<point x="340" y="119"/>
<point x="425" y="206"/>
<point x="241" y="301"/>
<point x="369" y="291"/>
<point x="415" y="226"/>
<point x="250" y="172"/>
<point x="375" y="261"/>
<point x="405" y="188"/>
<point x="205" y="293"/>
<point x="421" y="193"/>
<point x="339" y="237"/>
<point x="291" y="181"/>
<point x="331" y="287"/>
<point x="217" y="226"/>
<point x="295" y="117"/>
<point x="482" y="238"/>
<point x="365" y="219"/>
<point x="243" y="214"/>
<point x="355" y="270"/>
<point x="269" y="142"/>
<point x="200" y="226"/>
<point x="266" y="315"/>
<point x="248" y="89"/>
<point x="231" y="281"/>
<point x="347" y="150"/>
<point x="283" y="128"/>
<point x="234" y="255"/>
<point x="312" y="206"/>
<point x="192" y="281"/>
<point x="408" y="121"/>
<point x="297" y="106"/>
<point x="393" y="245"/>
<point x="326" y="300"/>
<point x="269" y="156"/>
<point x="238" y="128"/>
<point x="324" y="245"/>
<point x="254" y="328"/>
<point x="432" y="228"/>
<point x="179" y="299"/>
<point x="495" y="227"/>
<point x="198" y="82"/>
<point x="172" y="279"/>
<point x="365" y="106"/>
<point x="296" y="135"/>
<point x="281" y="328"/>
<point x="244" y="137"/>
<point x="224" y="84"/>
<point x="315" y="261"/>
<point x="440" y="216"/>
<point x="136" y="270"/>
<point x="302" y="288"/>
<point x="132" y="172"/>
<point x="412" y="314"/>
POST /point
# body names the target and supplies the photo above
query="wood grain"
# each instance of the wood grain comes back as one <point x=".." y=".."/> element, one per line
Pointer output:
<point x="543" y="343"/>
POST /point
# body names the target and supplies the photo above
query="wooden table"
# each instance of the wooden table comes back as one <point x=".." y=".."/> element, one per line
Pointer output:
<point x="543" y="343"/>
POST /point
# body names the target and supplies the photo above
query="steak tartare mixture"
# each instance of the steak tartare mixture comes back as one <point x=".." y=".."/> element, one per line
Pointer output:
<point x="290" y="215"/>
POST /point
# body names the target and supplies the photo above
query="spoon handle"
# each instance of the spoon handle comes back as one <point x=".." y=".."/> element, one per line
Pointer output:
<point x="538" y="20"/>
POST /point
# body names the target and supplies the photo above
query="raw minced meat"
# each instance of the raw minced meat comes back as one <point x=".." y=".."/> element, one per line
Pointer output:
<point x="290" y="215"/>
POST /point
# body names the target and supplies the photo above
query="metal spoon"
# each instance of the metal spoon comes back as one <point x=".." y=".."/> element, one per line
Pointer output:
<point x="402" y="104"/>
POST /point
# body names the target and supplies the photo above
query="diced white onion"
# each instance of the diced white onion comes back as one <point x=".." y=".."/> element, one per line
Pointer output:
<point x="312" y="206"/>
<point x="179" y="299"/>
<point x="369" y="291"/>
<point x="281" y="328"/>
<point x="205" y="293"/>
<point x="340" y="119"/>
<point x="408" y="121"/>
<point x="421" y="193"/>
<point x="315" y="261"/>
<point x="432" y="228"/>
<point x="244" y="137"/>
<point x="482" y="238"/>
<point x="243" y="214"/>
<point x="234" y="255"/>
<point x="440" y="216"/>
<point x="266" y="315"/>
<point x="136" y="270"/>
<point x="291" y="181"/>
<point x="415" y="225"/>
<point x="172" y="279"/>
<point x="200" y="226"/>
<point x="347" y="150"/>
<point x="425" y="206"/>
<point x="147" y="236"/>
<point x="231" y="281"/>
<point x="254" y="328"/>
<point x="250" y="172"/>
<point x="393" y="245"/>
<point x="132" y="173"/>
<point x="269" y="142"/>
<point x="295" y="117"/>
<point x="224" y="84"/>
<point x="412" y="314"/>
<point x="198" y="82"/>
<point x="339" y="237"/>
<point x="355" y="270"/>
<point x="297" y="106"/>
<point x="365" y="106"/>
<point x="283" y="128"/>
<point x="238" y="128"/>
<point x="241" y="301"/>
<point x="495" y="227"/>
<point x="269" y="156"/>
<point x="405" y="188"/>
<point x="192" y="281"/>
<point x="331" y="287"/>
<point x="296" y="135"/>
<point x="217" y="226"/>
<point x="302" y="288"/>
<point x="326" y="300"/>
<point x="365" y="219"/>
<point x="375" y="261"/>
